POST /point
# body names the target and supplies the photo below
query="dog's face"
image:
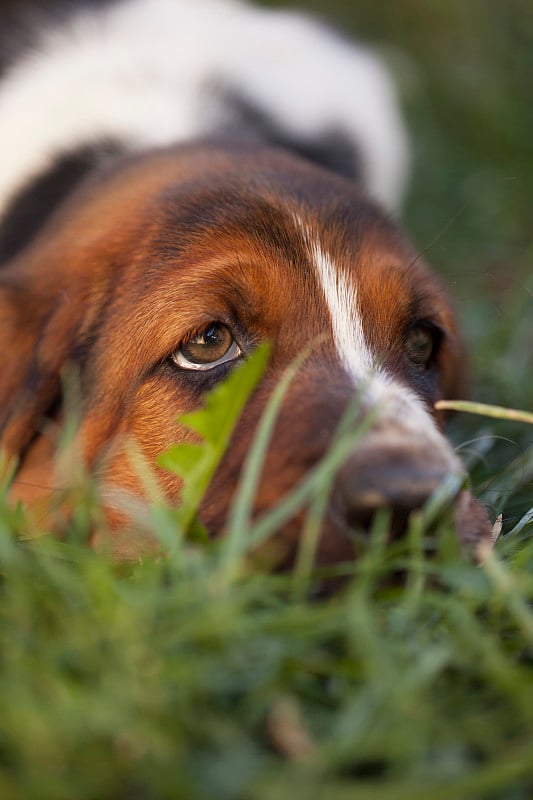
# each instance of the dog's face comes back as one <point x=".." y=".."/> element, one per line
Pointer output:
<point x="159" y="277"/>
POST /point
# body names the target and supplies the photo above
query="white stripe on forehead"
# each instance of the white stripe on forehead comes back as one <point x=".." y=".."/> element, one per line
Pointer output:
<point x="402" y="412"/>
<point x="341" y="299"/>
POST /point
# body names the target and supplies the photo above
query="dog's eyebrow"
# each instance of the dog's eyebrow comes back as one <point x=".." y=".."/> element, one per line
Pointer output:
<point x="235" y="218"/>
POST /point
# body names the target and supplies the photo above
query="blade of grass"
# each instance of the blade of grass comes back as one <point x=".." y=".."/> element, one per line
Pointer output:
<point x="315" y="478"/>
<point x="240" y="512"/>
<point x="521" y="524"/>
<point x="497" y="412"/>
<point x="312" y="528"/>
<point x="506" y="584"/>
<point x="196" y="463"/>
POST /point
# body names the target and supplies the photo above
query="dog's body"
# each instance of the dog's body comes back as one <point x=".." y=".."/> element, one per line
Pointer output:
<point x="155" y="258"/>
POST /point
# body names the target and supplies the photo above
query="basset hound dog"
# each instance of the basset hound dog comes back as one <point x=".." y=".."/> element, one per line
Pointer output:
<point x="179" y="182"/>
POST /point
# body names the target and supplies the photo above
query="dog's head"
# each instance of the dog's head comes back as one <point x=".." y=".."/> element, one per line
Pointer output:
<point x="163" y="273"/>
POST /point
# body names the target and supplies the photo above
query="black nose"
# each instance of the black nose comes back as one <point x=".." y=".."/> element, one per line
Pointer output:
<point x="389" y="478"/>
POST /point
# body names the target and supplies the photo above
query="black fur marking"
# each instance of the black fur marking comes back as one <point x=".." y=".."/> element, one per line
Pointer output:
<point x="331" y="149"/>
<point x="36" y="201"/>
<point x="22" y="21"/>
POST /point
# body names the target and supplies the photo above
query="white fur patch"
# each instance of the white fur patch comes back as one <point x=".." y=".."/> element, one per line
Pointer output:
<point x="340" y="295"/>
<point x="341" y="299"/>
<point x="143" y="71"/>
<point x="401" y="413"/>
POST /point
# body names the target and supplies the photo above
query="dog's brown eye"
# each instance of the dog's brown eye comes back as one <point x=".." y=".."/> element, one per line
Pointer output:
<point x="419" y="345"/>
<point x="213" y="346"/>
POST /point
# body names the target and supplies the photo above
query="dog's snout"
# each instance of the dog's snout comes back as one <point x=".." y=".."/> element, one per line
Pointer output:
<point x="397" y="480"/>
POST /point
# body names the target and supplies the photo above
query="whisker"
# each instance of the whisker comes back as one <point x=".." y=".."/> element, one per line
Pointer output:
<point x="30" y="485"/>
<point x="491" y="437"/>
<point x="438" y="236"/>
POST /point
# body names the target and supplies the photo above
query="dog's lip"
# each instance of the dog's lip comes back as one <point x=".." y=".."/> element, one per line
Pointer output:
<point x="472" y="523"/>
<point x="372" y="499"/>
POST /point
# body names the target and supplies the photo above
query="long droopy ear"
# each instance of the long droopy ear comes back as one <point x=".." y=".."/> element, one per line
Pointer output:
<point x="46" y="309"/>
<point x="52" y="295"/>
<point x="37" y="329"/>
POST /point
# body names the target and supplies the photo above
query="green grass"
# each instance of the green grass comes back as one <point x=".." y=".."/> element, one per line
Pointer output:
<point x="193" y="676"/>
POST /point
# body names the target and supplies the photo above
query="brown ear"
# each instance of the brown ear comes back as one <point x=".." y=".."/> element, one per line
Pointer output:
<point x="51" y="297"/>
<point x="37" y="335"/>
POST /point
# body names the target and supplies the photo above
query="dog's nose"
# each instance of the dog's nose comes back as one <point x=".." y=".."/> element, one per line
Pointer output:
<point x="388" y="479"/>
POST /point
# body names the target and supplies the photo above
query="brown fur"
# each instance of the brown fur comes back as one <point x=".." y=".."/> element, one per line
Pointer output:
<point x="145" y="254"/>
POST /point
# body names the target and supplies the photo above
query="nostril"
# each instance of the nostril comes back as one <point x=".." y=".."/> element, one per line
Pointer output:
<point x="401" y="487"/>
<point x="406" y="491"/>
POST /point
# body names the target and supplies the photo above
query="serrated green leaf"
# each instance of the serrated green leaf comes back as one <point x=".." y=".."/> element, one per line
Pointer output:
<point x="196" y="463"/>
<point x="224" y="404"/>
<point x="182" y="459"/>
